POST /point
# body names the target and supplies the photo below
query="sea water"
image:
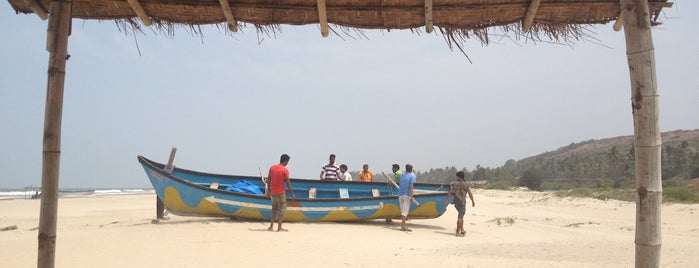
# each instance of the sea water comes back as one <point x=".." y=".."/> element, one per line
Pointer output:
<point x="32" y="192"/>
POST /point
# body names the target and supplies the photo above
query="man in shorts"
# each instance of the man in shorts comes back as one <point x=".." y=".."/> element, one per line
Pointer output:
<point x="405" y="194"/>
<point x="278" y="174"/>
<point x="460" y="188"/>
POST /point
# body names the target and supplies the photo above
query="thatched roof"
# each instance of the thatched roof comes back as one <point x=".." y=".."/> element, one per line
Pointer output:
<point x="456" y="19"/>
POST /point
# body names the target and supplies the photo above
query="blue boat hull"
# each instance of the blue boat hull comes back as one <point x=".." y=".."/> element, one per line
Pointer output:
<point x="190" y="193"/>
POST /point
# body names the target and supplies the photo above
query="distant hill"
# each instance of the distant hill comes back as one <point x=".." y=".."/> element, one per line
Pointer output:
<point x="624" y="144"/>
<point x="602" y="163"/>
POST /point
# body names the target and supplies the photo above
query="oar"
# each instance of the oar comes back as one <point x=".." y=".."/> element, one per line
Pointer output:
<point x="398" y="187"/>
<point x="262" y="176"/>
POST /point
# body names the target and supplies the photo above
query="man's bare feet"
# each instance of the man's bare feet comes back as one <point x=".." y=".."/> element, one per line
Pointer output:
<point x="282" y="230"/>
<point x="270" y="229"/>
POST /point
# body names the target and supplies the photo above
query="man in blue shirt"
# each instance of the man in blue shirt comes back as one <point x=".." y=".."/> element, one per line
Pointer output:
<point x="405" y="194"/>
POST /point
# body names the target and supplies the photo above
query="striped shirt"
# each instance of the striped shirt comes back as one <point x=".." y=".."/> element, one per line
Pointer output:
<point x="330" y="172"/>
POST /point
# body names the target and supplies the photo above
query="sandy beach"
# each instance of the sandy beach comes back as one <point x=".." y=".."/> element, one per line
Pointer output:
<point x="505" y="229"/>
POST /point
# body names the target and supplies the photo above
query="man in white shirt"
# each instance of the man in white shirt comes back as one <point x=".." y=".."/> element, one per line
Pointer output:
<point x="344" y="175"/>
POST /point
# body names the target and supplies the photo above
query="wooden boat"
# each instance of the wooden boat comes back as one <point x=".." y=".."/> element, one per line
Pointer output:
<point x="190" y="193"/>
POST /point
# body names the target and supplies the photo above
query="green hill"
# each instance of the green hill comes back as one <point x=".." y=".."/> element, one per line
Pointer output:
<point x="593" y="147"/>
<point x="603" y="163"/>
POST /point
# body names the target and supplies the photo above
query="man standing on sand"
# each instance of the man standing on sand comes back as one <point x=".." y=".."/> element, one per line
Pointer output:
<point x="278" y="174"/>
<point x="405" y="194"/>
<point x="460" y="188"/>
<point x="329" y="171"/>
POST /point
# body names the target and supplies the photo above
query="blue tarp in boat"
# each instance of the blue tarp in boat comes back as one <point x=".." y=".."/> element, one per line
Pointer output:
<point x="244" y="187"/>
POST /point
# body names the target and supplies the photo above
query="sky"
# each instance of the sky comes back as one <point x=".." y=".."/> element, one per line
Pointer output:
<point x="233" y="103"/>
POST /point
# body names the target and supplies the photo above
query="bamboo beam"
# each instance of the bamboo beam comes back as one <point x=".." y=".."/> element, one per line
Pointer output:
<point x="323" y="18"/>
<point x="136" y="7"/>
<point x="618" y="23"/>
<point x="57" y="42"/>
<point x="228" y="13"/>
<point x="34" y="6"/>
<point x="529" y="16"/>
<point x="647" y="141"/>
<point x="428" y="16"/>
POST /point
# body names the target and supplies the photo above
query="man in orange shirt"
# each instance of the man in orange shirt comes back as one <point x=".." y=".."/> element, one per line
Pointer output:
<point x="365" y="174"/>
<point x="278" y="174"/>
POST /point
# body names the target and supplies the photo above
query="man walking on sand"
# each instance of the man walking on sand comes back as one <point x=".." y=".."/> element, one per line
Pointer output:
<point x="278" y="174"/>
<point x="405" y="194"/>
<point x="460" y="188"/>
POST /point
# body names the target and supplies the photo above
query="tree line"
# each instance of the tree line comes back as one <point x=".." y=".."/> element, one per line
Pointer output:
<point x="612" y="167"/>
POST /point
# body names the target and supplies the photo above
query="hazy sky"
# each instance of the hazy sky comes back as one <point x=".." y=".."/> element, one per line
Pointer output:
<point x="231" y="104"/>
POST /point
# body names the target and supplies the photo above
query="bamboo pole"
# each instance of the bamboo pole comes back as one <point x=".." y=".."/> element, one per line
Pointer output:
<point x="428" y="16"/>
<point x="323" y="18"/>
<point x="529" y="16"/>
<point x="647" y="142"/>
<point x="228" y="13"/>
<point x="57" y="43"/>
<point x="618" y="24"/>
<point x="140" y="12"/>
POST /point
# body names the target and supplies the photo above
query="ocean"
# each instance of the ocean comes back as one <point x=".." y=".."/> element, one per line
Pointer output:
<point x="31" y="193"/>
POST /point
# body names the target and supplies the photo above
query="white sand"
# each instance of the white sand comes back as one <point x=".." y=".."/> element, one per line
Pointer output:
<point x="547" y="231"/>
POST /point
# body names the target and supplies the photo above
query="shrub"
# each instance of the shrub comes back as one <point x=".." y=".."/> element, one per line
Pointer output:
<point x="606" y="184"/>
<point x="681" y="194"/>
<point x="673" y="182"/>
<point x="531" y="178"/>
<point x="499" y="185"/>
<point x="694" y="173"/>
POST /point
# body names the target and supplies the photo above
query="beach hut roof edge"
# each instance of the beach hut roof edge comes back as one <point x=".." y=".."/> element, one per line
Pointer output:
<point x="457" y="20"/>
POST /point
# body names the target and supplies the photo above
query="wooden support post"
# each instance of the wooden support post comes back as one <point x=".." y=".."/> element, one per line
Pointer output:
<point x="140" y="12"/>
<point x="647" y="141"/>
<point x="34" y="6"/>
<point x="159" y="205"/>
<point x="228" y="13"/>
<point x="529" y="16"/>
<point x="57" y="42"/>
<point x="159" y="208"/>
<point x="428" y="16"/>
<point x="323" y="18"/>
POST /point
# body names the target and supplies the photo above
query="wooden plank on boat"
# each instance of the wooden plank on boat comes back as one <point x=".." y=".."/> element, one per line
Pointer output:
<point x="344" y="193"/>
<point x="214" y="185"/>
<point x="169" y="167"/>
<point x="312" y="192"/>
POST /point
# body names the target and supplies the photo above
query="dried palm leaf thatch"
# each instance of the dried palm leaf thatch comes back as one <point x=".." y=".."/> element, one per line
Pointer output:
<point x="456" y="20"/>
